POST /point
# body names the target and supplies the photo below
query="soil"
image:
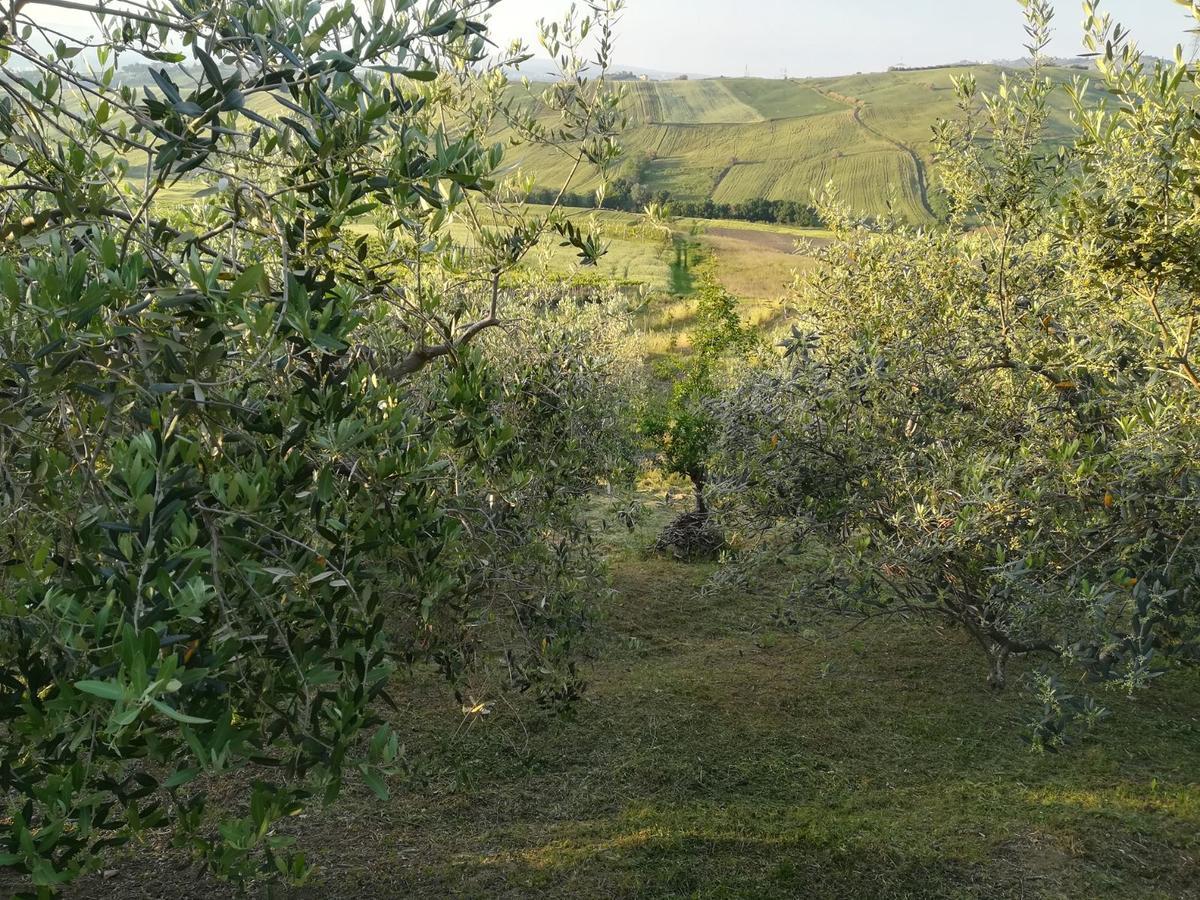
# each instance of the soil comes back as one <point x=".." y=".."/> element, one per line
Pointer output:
<point x="775" y="241"/>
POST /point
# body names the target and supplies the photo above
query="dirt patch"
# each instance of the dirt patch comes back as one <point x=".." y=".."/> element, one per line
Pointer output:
<point x="757" y="265"/>
<point x="774" y="241"/>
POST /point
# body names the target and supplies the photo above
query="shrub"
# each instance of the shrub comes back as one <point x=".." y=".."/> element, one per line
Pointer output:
<point x="255" y="457"/>
<point x="679" y="426"/>
<point x="993" y="423"/>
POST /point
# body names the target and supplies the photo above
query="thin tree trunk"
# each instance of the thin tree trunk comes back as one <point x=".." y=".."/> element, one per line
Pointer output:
<point x="998" y="658"/>
<point x="698" y="482"/>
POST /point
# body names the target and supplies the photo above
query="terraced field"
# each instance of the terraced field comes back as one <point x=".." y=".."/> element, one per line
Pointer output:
<point x="736" y="139"/>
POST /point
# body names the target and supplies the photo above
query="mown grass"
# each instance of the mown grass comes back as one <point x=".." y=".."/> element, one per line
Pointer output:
<point x="759" y="273"/>
<point x="719" y="756"/>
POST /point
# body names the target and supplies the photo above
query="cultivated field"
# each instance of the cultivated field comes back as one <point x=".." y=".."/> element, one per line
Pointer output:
<point x="690" y="103"/>
<point x="744" y="139"/>
<point x="738" y="139"/>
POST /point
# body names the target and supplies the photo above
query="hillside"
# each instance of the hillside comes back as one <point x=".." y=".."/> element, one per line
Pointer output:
<point x="739" y="139"/>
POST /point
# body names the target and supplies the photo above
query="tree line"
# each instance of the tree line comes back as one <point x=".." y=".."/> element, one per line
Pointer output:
<point x="633" y="197"/>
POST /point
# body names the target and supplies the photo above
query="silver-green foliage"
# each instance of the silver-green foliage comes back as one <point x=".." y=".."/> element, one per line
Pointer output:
<point x="994" y="423"/>
<point x="254" y="457"/>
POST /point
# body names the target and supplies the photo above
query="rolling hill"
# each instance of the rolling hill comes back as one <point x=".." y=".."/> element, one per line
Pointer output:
<point x="733" y="139"/>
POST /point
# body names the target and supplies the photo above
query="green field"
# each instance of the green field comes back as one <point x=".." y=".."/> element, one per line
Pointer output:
<point x="780" y="99"/>
<point x="733" y="140"/>
<point x="690" y="103"/>
<point x="756" y="262"/>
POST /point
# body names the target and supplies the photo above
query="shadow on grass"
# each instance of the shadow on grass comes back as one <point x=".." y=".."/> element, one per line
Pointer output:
<point x="682" y="282"/>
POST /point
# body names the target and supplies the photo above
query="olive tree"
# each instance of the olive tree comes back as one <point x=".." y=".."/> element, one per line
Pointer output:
<point x="249" y="413"/>
<point x="679" y="426"/>
<point x="992" y="423"/>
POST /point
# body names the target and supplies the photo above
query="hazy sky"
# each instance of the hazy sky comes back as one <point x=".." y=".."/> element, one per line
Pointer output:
<point x="822" y="37"/>
<point x="814" y="37"/>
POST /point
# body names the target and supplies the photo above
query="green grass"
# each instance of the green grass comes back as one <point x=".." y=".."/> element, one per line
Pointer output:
<point x="906" y="104"/>
<point x="716" y="756"/>
<point x="679" y="177"/>
<point x="683" y="257"/>
<point x="627" y="260"/>
<point x="742" y="139"/>
<point x="798" y="232"/>
<point x="755" y="261"/>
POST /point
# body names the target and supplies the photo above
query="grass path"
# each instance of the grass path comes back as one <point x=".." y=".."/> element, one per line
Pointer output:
<point x="718" y="756"/>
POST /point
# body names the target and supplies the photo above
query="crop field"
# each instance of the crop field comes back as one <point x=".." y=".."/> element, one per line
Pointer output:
<point x="740" y="139"/>
<point x="904" y="105"/>
<point x="690" y="103"/>
<point x="780" y="99"/>
<point x="677" y="175"/>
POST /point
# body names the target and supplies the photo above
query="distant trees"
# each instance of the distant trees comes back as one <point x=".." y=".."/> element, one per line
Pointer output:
<point x="629" y="189"/>
<point x="926" y="68"/>
<point x="632" y="196"/>
<point x="782" y="212"/>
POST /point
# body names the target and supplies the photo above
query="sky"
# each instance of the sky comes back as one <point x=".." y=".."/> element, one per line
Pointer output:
<point x="814" y="37"/>
<point x="834" y="37"/>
